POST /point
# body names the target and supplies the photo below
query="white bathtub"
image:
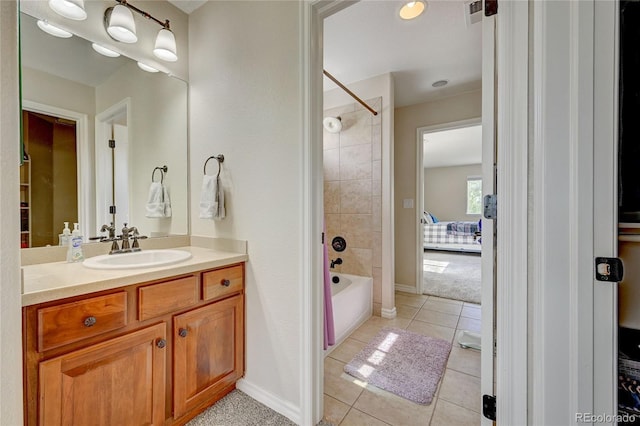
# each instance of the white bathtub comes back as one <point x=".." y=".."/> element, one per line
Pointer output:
<point x="352" y="301"/>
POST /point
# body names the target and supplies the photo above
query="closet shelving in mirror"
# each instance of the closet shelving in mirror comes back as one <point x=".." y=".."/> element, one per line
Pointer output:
<point x="25" y="203"/>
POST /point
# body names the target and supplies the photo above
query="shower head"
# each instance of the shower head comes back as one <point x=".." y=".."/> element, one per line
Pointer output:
<point x="332" y="124"/>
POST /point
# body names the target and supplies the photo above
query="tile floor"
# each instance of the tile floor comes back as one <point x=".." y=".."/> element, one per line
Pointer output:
<point x="348" y="402"/>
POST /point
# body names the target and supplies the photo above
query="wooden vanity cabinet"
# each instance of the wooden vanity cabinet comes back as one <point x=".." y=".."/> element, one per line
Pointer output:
<point x="124" y="357"/>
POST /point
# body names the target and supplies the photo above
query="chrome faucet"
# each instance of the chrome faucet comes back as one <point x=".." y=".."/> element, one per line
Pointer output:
<point x="111" y="229"/>
<point x="125" y="238"/>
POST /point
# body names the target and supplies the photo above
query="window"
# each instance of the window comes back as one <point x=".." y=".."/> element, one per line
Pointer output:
<point x="474" y="195"/>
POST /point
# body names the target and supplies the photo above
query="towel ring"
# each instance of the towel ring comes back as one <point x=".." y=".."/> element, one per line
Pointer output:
<point x="219" y="158"/>
<point x="163" y="170"/>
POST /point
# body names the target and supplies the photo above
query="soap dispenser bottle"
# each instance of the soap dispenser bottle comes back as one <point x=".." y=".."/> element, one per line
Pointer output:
<point x="74" y="253"/>
<point x="63" y="239"/>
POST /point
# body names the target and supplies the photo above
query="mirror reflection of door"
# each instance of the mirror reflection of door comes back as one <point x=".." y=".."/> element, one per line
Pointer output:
<point x="49" y="181"/>
<point x="112" y="167"/>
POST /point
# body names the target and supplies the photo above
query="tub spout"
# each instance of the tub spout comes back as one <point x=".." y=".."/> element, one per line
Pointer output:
<point x="338" y="261"/>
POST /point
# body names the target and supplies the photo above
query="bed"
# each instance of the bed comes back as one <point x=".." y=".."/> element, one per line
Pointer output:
<point x="451" y="235"/>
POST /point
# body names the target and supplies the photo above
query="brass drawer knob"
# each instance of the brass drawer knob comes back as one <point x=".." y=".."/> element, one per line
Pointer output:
<point x="90" y="321"/>
<point x="183" y="332"/>
<point x="225" y="282"/>
<point x="161" y="343"/>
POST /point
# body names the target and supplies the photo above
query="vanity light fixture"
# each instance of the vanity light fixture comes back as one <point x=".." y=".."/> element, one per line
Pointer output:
<point x="120" y="25"/>
<point x="53" y="30"/>
<point x="412" y="9"/>
<point x="104" y="51"/>
<point x="72" y="9"/>
<point x="146" y="67"/>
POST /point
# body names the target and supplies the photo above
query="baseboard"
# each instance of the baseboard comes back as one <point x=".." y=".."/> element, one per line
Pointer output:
<point x="389" y="313"/>
<point x="285" y="408"/>
<point x="407" y="289"/>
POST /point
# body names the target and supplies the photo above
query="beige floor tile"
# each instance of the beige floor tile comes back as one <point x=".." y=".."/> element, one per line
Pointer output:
<point x="470" y="312"/>
<point x="369" y="329"/>
<point x="461" y="389"/>
<point x="404" y="311"/>
<point x="338" y="384"/>
<point x="470" y="324"/>
<point x="432" y="330"/>
<point x="445" y="300"/>
<point x="334" y="410"/>
<point x="358" y="418"/>
<point x="347" y="350"/>
<point x="464" y="360"/>
<point x="440" y="305"/>
<point x="437" y="318"/>
<point x="415" y="300"/>
<point x="393" y="409"/>
<point x="448" y="414"/>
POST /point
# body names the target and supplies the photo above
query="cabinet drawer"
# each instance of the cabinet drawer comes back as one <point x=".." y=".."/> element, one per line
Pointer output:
<point x="63" y="324"/>
<point x="159" y="299"/>
<point x="221" y="282"/>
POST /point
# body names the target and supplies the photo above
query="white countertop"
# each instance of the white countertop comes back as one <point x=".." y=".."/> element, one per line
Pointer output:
<point x="57" y="280"/>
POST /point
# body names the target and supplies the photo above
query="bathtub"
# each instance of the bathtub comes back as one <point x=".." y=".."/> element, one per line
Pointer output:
<point x="352" y="299"/>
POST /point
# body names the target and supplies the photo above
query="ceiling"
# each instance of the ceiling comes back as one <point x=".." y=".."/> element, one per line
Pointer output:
<point x="454" y="147"/>
<point x="368" y="39"/>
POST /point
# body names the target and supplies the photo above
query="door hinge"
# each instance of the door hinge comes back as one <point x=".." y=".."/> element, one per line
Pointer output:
<point x="490" y="7"/>
<point x="489" y="407"/>
<point x="609" y="269"/>
<point x="490" y="206"/>
<point x="112" y="209"/>
<point x="323" y="238"/>
<point x="112" y="143"/>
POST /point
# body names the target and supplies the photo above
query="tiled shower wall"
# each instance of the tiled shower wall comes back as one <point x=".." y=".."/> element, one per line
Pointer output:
<point x="353" y="191"/>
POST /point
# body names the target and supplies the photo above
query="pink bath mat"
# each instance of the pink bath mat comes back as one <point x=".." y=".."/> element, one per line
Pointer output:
<point x="407" y="364"/>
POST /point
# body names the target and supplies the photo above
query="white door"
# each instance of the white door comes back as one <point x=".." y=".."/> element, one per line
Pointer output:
<point x="488" y="226"/>
<point x="605" y="315"/>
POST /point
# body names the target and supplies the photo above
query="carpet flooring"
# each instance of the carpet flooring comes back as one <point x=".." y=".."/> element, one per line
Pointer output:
<point x="452" y="275"/>
<point x="239" y="409"/>
<point x="407" y="364"/>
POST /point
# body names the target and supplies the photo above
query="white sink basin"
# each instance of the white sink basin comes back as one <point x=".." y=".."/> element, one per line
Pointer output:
<point x="139" y="259"/>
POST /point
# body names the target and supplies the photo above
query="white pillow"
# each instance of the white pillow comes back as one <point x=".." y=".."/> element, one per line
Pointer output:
<point x="426" y="218"/>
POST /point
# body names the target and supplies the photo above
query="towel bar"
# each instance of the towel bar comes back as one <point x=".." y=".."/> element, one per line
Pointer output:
<point x="219" y="158"/>
<point x="163" y="170"/>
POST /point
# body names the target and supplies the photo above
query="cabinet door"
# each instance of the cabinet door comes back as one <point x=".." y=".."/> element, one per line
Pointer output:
<point x="208" y="352"/>
<point x="117" y="382"/>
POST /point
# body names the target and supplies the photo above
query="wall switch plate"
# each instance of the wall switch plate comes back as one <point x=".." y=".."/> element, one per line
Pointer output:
<point x="407" y="203"/>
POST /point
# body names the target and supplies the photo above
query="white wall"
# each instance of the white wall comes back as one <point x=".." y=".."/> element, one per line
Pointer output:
<point x="374" y="87"/>
<point x="245" y="103"/>
<point x="407" y="120"/>
<point x="445" y="191"/>
<point x="158" y="137"/>
<point x="10" y="287"/>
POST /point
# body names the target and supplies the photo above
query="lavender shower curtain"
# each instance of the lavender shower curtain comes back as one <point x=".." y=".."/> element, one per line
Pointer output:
<point x="329" y="332"/>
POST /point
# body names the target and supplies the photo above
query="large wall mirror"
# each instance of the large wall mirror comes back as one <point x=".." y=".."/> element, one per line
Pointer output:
<point x="74" y="102"/>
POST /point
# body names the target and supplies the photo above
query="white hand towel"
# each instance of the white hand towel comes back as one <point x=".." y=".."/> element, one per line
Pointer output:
<point x="212" y="199"/>
<point x="167" y="201"/>
<point x="155" y="203"/>
<point x="207" y="197"/>
<point x="219" y="212"/>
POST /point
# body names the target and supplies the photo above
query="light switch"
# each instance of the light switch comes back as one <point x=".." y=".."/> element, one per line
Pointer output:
<point x="407" y="203"/>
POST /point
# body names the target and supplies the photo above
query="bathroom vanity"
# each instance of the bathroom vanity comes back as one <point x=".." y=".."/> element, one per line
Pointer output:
<point x="143" y="347"/>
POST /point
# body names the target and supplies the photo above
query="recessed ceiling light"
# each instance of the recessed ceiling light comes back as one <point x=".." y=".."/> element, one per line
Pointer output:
<point x="412" y="9"/>
<point x="146" y="67"/>
<point x="440" y="83"/>
<point x="53" y="30"/>
<point x="104" y="51"/>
